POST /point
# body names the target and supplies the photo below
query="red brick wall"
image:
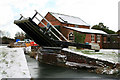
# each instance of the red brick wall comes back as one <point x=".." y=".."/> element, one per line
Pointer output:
<point x="65" y="31"/>
<point x="54" y="22"/>
<point x="100" y="43"/>
<point x="51" y="19"/>
<point x="88" y="38"/>
<point x="95" y="38"/>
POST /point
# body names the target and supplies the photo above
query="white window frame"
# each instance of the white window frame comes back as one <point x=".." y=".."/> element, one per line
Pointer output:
<point x="92" y="38"/>
<point x="98" y="38"/>
<point x="71" y="35"/>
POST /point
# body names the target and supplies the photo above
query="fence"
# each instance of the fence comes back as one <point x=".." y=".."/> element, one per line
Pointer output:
<point x="112" y="42"/>
<point x="111" y="45"/>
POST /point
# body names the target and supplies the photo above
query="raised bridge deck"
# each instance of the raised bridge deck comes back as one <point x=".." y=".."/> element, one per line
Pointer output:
<point x="39" y="36"/>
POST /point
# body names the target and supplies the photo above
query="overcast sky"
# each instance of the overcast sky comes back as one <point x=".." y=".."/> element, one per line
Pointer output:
<point x="91" y="11"/>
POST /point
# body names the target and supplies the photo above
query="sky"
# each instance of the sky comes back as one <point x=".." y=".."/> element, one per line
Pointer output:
<point x="91" y="11"/>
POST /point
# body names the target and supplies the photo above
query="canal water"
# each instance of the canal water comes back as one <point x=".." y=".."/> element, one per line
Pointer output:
<point x="40" y="70"/>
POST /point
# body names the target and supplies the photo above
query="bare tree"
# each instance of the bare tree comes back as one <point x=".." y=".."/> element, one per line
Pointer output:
<point x="4" y="34"/>
<point x="20" y="35"/>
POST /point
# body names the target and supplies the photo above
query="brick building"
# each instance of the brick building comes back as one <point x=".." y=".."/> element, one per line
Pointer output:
<point x="70" y="24"/>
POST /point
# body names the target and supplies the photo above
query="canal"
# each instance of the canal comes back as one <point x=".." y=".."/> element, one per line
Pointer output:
<point x="40" y="70"/>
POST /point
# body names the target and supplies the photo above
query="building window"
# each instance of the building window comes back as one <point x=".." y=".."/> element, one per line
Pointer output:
<point x="92" y="38"/>
<point x="71" y="36"/>
<point x="98" y="38"/>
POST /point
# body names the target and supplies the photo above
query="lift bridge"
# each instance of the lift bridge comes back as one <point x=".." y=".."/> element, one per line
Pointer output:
<point x="42" y="36"/>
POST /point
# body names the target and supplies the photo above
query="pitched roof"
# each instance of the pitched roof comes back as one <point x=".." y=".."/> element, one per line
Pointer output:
<point x="69" y="19"/>
<point x="93" y="31"/>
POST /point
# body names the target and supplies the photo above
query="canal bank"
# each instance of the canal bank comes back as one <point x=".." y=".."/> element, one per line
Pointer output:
<point x="13" y="63"/>
<point x="40" y="70"/>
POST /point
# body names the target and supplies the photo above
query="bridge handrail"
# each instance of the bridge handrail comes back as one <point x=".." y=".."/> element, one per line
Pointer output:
<point x="51" y="25"/>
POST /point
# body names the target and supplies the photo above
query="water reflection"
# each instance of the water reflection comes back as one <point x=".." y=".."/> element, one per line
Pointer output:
<point x="40" y="70"/>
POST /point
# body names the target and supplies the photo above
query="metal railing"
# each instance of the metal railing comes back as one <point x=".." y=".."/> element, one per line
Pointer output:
<point x="51" y="26"/>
